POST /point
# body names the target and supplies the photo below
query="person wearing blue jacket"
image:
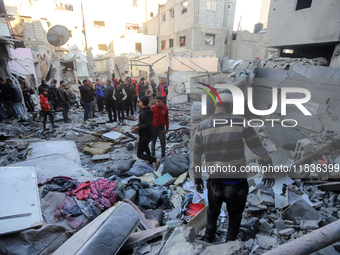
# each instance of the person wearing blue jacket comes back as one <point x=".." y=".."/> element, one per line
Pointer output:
<point x="99" y="95"/>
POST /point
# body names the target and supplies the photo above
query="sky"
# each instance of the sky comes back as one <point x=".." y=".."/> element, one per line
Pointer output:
<point x="250" y="11"/>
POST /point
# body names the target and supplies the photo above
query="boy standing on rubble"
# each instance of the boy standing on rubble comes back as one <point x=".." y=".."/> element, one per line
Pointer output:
<point x="46" y="109"/>
<point x="144" y="130"/>
<point x="160" y="124"/>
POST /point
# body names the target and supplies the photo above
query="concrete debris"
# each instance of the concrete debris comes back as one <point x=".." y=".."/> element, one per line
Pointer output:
<point x="230" y="248"/>
<point x="98" y="148"/>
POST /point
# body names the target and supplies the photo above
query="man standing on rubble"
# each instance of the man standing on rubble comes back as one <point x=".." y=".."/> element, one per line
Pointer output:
<point x="110" y="103"/>
<point x="223" y="146"/>
<point x="26" y="92"/>
<point x="86" y="95"/>
<point x="160" y="124"/>
<point x="163" y="89"/>
<point x="119" y="95"/>
<point x="130" y="91"/>
<point x="53" y="95"/>
<point x="144" y="130"/>
<point x="63" y="100"/>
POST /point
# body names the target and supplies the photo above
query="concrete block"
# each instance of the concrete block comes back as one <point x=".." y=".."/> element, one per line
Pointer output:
<point x="300" y="209"/>
<point x="253" y="200"/>
<point x="100" y="158"/>
<point x="181" y="178"/>
<point x="113" y="135"/>
<point x="303" y="147"/>
<point x="265" y="226"/>
<point x="283" y="137"/>
<point x="280" y="201"/>
<point x="165" y="180"/>
<point x="182" y="99"/>
<point x="266" y="242"/>
<point x="230" y="248"/>
<point x="286" y="232"/>
<point x="309" y="224"/>
<point x="266" y="198"/>
<point x="142" y="237"/>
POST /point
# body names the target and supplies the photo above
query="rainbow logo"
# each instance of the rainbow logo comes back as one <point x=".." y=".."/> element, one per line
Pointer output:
<point x="208" y="92"/>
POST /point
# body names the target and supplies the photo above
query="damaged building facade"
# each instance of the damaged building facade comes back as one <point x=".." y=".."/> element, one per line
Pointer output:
<point x="184" y="26"/>
<point x="298" y="29"/>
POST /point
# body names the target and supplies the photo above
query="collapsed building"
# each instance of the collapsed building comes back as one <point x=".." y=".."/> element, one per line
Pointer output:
<point x="82" y="186"/>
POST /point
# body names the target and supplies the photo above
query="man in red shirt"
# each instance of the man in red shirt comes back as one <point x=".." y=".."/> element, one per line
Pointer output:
<point x="160" y="124"/>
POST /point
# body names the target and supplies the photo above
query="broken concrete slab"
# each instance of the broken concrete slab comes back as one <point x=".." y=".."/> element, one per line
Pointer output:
<point x="229" y="248"/>
<point x="46" y="167"/>
<point x="300" y="210"/>
<point x="177" y="244"/>
<point x="97" y="148"/>
<point x="286" y="232"/>
<point x="266" y="198"/>
<point x="265" y="226"/>
<point x="283" y="137"/>
<point x="253" y="199"/>
<point x="280" y="201"/>
<point x="66" y="148"/>
<point x="104" y="235"/>
<point x="20" y="198"/>
<point x="142" y="237"/>
<point x="309" y="224"/>
<point x="164" y="180"/>
<point x="181" y="99"/>
<point x="101" y="158"/>
<point x="113" y="135"/>
<point x="266" y="242"/>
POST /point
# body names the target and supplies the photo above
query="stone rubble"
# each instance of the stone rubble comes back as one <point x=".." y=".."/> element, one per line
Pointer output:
<point x="283" y="213"/>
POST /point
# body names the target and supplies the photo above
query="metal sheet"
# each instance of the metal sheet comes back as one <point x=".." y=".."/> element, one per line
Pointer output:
<point x="20" y="200"/>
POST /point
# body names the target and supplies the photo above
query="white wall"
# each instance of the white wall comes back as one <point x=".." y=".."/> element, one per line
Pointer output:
<point x="128" y="44"/>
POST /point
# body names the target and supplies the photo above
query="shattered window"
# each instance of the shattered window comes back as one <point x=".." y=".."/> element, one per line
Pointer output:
<point x="102" y="47"/>
<point x="209" y="39"/>
<point x="163" y="45"/>
<point x="184" y="7"/>
<point x="182" y="41"/>
<point x="163" y="17"/>
<point x="151" y="14"/>
<point x="134" y="3"/>
<point x="229" y="7"/>
<point x="212" y="5"/>
<point x="98" y="24"/>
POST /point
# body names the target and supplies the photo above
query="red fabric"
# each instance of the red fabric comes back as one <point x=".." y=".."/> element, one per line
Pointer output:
<point x="114" y="82"/>
<point x="103" y="192"/>
<point x="160" y="116"/>
<point x="45" y="106"/>
<point x="83" y="191"/>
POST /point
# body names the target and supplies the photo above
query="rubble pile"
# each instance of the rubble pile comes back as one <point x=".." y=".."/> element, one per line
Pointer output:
<point x="285" y="63"/>
<point x="102" y="165"/>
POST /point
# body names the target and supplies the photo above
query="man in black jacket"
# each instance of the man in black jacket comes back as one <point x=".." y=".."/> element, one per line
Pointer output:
<point x="141" y="89"/>
<point x="53" y="95"/>
<point x="110" y="103"/>
<point x="119" y="95"/>
<point x="130" y="91"/>
<point x="64" y="100"/>
<point x="86" y="94"/>
<point x="145" y="131"/>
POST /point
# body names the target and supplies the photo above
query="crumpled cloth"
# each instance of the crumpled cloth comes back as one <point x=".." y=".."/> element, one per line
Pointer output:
<point x="64" y="210"/>
<point x="83" y="191"/>
<point x="58" y="183"/>
<point x="102" y="190"/>
<point x="104" y="193"/>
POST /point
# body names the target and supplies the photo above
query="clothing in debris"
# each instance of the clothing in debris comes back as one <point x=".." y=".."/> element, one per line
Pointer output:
<point x="69" y="210"/>
<point x="59" y="183"/>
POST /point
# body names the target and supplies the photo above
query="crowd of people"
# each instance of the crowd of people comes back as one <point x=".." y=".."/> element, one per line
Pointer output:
<point x="118" y="98"/>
